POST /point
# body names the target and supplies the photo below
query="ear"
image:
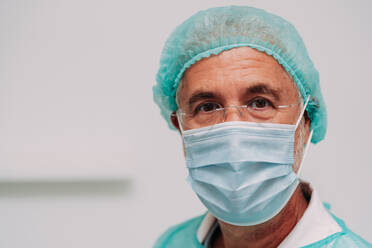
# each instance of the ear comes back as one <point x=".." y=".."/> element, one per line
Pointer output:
<point x="174" y="120"/>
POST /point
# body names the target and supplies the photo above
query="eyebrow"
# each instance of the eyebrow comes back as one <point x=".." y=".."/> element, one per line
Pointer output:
<point x="200" y="95"/>
<point x="259" y="88"/>
<point x="262" y="88"/>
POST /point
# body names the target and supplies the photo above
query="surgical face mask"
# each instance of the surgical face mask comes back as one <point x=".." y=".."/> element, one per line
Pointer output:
<point x="242" y="171"/>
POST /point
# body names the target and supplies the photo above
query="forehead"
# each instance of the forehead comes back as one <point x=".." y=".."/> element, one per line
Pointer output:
<point x="231" y="71"/>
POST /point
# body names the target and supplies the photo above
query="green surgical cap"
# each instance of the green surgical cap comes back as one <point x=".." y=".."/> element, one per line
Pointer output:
<point x="215" y="30"/>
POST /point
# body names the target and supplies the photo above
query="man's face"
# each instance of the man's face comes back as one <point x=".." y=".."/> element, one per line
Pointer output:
<point x="237" y="77"/>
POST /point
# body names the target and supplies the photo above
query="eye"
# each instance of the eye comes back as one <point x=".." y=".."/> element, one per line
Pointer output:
<point x="207" y="107"/>
<point x="260" y="103"/>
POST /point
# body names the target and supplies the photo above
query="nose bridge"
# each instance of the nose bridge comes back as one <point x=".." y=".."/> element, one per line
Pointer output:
<point x="233" y="113"/>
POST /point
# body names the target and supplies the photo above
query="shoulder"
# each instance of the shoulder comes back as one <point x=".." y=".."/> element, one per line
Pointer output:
<point x="351" y="239"/>
<point x="181" y="235"/>
<point x="344" y="239"/>
<point x="341" y="240"/>
<point x="348" y="238"/>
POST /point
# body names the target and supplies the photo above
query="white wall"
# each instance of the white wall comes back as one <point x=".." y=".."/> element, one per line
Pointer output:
<point x="85" y="158"/>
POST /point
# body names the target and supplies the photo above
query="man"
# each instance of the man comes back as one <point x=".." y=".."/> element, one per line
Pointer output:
<point x="240" y="88"/>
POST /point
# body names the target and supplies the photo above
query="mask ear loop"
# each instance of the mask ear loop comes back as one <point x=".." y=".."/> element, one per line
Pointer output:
<point x="310" y="136"/>
<point x="302" y="111"/>
<point x="179" y="121"/>
<point x="305" y="153"/>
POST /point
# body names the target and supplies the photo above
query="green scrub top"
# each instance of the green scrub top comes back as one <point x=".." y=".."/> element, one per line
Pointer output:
<point x="184" y="236"/>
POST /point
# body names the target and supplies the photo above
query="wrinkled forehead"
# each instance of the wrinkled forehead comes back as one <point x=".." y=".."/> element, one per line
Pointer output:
<point x="234" y="72"/>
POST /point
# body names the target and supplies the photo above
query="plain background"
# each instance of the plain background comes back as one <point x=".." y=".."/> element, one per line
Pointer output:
<point x="85" y="157"/>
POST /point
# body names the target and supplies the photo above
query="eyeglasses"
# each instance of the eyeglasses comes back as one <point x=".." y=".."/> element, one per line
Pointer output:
<point x="209" y="113"/>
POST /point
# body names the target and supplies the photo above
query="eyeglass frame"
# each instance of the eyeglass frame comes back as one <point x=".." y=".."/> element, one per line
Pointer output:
<point x="180" y="112"/>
